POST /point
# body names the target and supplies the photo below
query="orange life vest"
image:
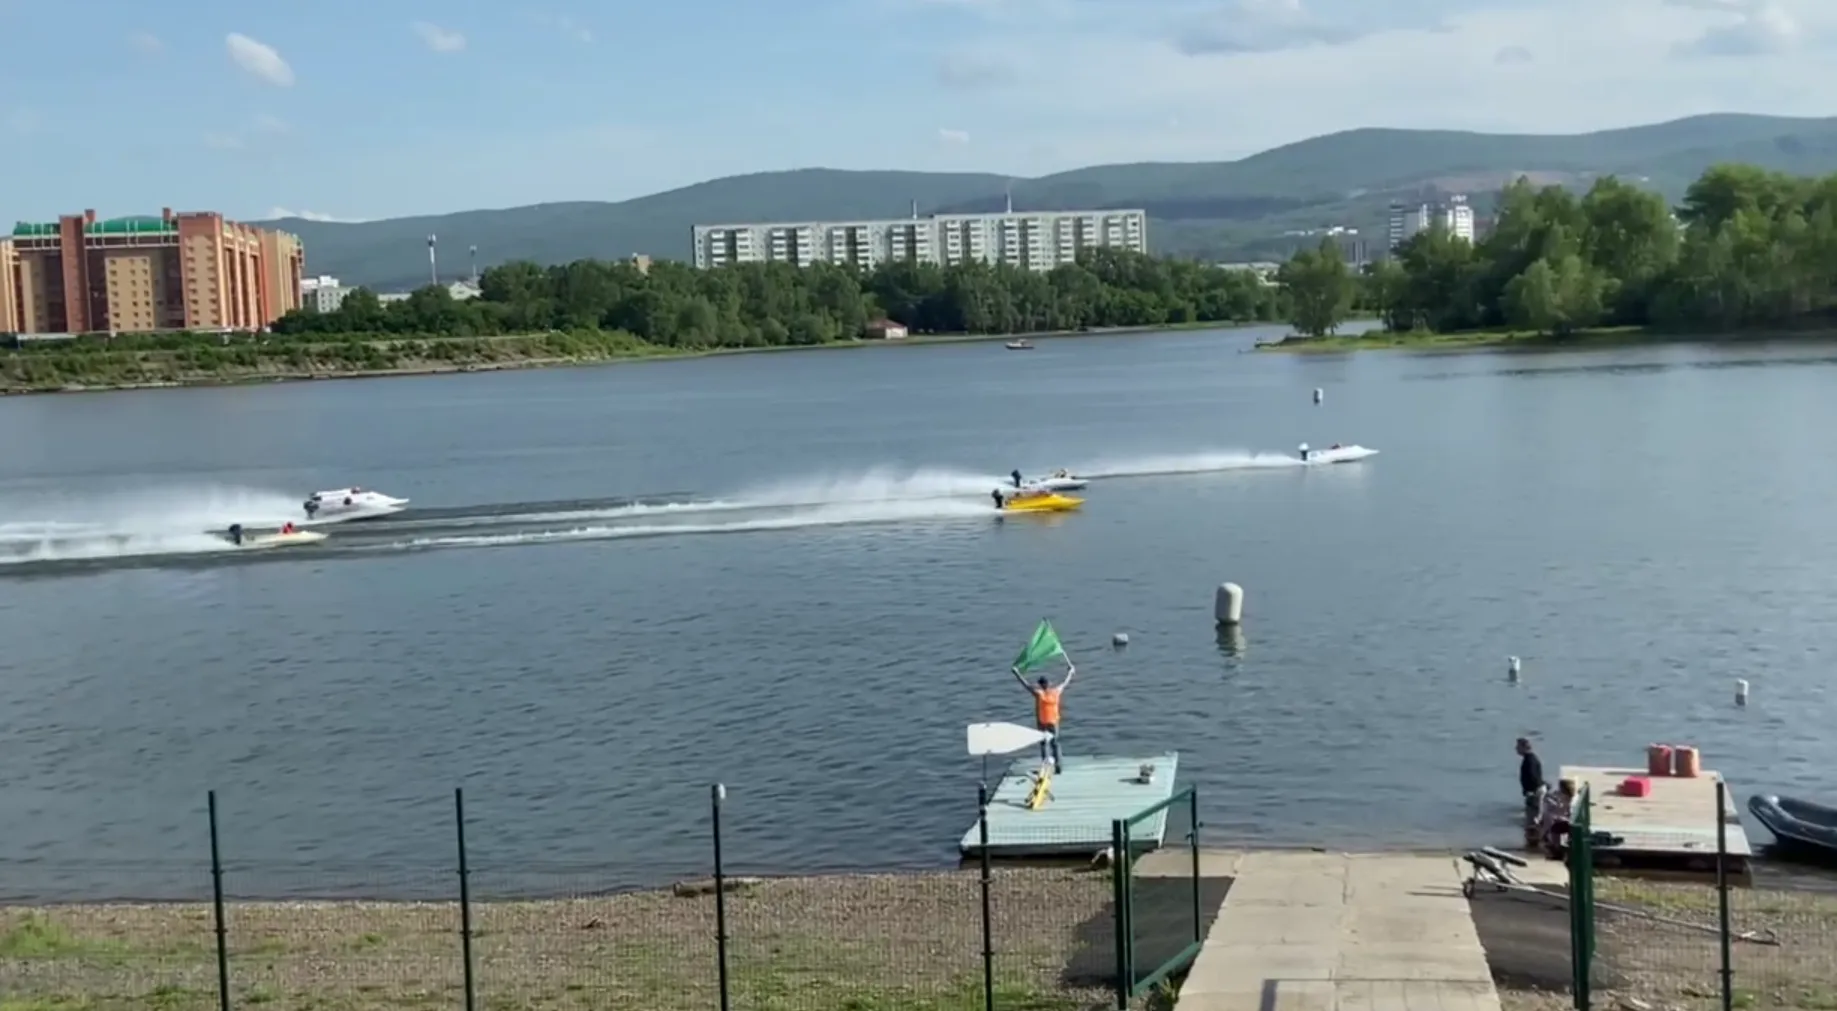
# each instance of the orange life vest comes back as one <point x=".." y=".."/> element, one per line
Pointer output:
<point x="1046" y="706"/>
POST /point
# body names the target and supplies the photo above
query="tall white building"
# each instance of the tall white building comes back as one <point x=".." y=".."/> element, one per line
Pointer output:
<point x="1455" y="216"/>
<point x="1037" y="240"/>
<point x="322" y="293"/>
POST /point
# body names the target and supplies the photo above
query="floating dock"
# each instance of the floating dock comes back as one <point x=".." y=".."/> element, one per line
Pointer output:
<point x="1671" y="831"/>
<point x="1092" y="792"/>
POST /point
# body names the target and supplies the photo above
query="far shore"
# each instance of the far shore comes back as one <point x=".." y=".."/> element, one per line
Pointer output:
<point x="1598" y="338"/>
<point x="649" y="353"/>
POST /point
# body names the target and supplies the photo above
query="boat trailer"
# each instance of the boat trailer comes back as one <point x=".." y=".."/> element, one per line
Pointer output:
<point x="1492" y="872"/>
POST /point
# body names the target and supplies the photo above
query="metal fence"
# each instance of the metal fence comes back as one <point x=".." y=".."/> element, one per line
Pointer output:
<point x="1687" y="945"/>
<point x="987" y="936"/>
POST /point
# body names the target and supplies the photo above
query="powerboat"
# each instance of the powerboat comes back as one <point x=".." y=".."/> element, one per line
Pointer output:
<point x="1019" y="345"/>
<point x="287" y="536"/>
<point x="1058" y="480"/>
<point x="341" y="505"/>
<point x="1800" y="825"/>
<point x="1040" y="502"/>
<point x="1335" y="453"/>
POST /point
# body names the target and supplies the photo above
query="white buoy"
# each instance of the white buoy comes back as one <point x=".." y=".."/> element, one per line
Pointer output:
<point x="1741" y="693"/>
<point x="1511" y="668"/>
<point x="1228" y="607"/>
<point x="1120" y="639"/>
<point x="1319" y="394"/>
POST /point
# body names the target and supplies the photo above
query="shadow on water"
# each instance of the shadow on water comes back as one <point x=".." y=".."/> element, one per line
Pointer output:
<point x="1231" y="641"/>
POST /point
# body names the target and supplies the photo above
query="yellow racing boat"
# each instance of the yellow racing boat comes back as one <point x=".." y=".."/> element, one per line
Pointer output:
<point x="1046" y="502"/>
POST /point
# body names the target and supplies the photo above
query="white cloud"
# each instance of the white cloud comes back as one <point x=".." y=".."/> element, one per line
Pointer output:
<point x="439" y="39"/>
<point x="259" y="60"/>
<point x="222" y="142"/>
<point x="283" y="212"/>
<point x="272" y="124"/>
<point x="567" y="26"/>
<point x="1609" y="63"/>
<point x="1760" y="28"/>
<point x="147" y="42"/>
<point x="956" y="138"/>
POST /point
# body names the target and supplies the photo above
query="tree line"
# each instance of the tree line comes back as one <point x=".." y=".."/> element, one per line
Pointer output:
<point x="1746" y="248"/>
<point x="770" y="304"/>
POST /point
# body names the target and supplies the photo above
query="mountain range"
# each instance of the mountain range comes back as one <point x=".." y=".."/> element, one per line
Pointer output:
<point x="1251" y="208"/>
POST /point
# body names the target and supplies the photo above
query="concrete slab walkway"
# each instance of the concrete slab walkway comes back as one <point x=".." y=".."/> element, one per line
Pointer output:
<point x="1342" y="932"/>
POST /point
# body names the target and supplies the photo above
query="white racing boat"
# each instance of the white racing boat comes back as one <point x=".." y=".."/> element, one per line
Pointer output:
<point x="1058" y="480"/>
<point x="244" y="540"/>
<point x="1335" y="453"/>
<point x="341" y="505"/>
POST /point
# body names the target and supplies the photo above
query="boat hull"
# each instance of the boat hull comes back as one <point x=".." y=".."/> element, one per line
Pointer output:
<point x="1798" y="825"/>
<point x="1057" y="484"/>
<point x="1048" y="503"/>
<point x="258" y="542"/>
<point x="1344" y="454"/>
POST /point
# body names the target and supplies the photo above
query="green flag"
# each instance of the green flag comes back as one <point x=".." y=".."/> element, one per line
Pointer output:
<point x="1043" y="647"/>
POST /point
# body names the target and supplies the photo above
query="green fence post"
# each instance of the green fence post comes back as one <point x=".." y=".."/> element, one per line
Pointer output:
<point x="1119" y="897"/>
<point x="216" y="892"/>
<point x="465" y="898"/>
<point x="1582" y="899"/>
<point x="1199" y="918"/>
<point x="1722" y="895"/>
<point x="988" y="910"/>
<point x="717" y="795"/>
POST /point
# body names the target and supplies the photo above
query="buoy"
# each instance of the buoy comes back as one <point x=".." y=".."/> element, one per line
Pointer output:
<point x="1228" y="607"/>
<point x="1741" y="693"/>
<point x="1511" y="668"/>
<point x="1120" y="639"/>
<point x="1319" y="394"/>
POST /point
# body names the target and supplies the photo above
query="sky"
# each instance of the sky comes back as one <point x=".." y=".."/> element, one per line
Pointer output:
<point x="359" y="111"/>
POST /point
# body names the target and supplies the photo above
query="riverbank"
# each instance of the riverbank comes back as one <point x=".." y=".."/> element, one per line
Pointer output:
<point x="88" y="369"/>
<point x="1601" y="338"/>
<point x="911" y="941"/>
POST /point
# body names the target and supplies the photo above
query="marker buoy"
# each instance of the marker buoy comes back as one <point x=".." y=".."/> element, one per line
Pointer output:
<point x="1228" y="606"/>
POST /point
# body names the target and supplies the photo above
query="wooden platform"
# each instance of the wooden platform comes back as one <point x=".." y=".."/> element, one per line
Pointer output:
<point x="1670" y="831"/>
<point x="1092" y="792"/>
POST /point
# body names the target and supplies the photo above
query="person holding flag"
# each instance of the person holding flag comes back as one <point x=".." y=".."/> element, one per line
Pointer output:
<point x="1043" y="648"/>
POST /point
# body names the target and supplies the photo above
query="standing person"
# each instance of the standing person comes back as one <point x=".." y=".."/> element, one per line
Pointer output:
<point x="1531" y="785"/>
<point x="1016" y="475"/>
<point x="1046" y="714"/>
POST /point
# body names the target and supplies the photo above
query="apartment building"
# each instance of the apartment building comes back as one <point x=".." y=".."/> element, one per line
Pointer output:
<point x="9" y="287"/>
<point x="1454" y="215"/>
<point x="1036" y="240"/>
<point x="192" y="271"/>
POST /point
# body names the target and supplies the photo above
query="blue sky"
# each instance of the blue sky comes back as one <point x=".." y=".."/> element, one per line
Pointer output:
<point x="366" y="110"/>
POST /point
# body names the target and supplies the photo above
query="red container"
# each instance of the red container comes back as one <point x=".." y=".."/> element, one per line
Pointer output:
<point x="1658" y="759"/>
<point x="1636" y="786"/>
<point x="1689" y="762"/>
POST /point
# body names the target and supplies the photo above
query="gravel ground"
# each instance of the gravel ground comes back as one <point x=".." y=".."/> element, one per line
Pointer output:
<point x="911" y="941"/>
<point x="1643" y="964"/>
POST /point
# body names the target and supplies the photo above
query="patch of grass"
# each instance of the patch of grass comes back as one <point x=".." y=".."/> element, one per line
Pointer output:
<point x="837" y="943"/>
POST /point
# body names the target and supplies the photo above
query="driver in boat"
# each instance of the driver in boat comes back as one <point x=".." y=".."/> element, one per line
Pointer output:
<point x="287" y="527"/>
<point x="1016" y="475"/>
<point x="1336" y="445"/>
<point x="1060" y="473"/>
<point x="312" y="507"/>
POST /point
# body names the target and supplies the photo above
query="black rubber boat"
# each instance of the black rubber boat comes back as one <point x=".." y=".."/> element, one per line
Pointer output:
<point x="1798" y="824"/>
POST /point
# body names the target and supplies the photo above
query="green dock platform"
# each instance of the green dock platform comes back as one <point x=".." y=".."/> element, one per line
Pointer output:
<point x="1092" y="792"/>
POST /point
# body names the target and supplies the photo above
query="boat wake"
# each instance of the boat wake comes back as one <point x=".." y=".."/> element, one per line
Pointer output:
<point x="1213" y="462"/>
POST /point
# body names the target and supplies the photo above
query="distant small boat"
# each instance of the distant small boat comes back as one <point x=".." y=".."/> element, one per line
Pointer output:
<point x="1798" y="824"/>
<point x="1019" y="345"/>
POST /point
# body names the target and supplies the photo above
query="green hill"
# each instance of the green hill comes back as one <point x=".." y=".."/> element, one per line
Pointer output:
<point x="1237" y="209"/>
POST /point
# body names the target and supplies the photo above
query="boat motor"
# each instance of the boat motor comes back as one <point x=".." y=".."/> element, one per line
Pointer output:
<point x="1304" y="452"/>
<point x="236" y="533"/>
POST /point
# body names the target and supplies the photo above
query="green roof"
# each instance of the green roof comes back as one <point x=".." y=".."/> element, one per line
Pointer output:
<point x="142" y="225"/>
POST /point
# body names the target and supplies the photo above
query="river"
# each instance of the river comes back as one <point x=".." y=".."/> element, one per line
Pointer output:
<point x="622" y="584"/>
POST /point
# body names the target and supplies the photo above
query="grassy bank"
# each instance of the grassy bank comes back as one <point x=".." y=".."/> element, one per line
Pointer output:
<point x="911" y="942"/>
<point x="1641" y="962"/>
<point x="204" y="361"/>
<point x="1384" y="340"/>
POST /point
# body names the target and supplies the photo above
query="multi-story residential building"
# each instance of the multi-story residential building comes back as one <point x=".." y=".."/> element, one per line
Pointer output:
<point x="1037" y="240"/>
<point x="322" y="294"/>
<point x="9" y="287"/>
<point x="1455" y="216"/>
<point x="192" y="271"/>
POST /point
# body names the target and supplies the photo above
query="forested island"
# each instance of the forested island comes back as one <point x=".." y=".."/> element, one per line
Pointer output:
<point x="1747" y="250"/>
<point x="593" y="310"/>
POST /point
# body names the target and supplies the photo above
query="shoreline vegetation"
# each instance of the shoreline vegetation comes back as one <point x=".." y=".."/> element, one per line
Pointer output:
<point x="907" y="940"/>
<point x="1747" y="253"/>
<point x="593" y="311"/>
